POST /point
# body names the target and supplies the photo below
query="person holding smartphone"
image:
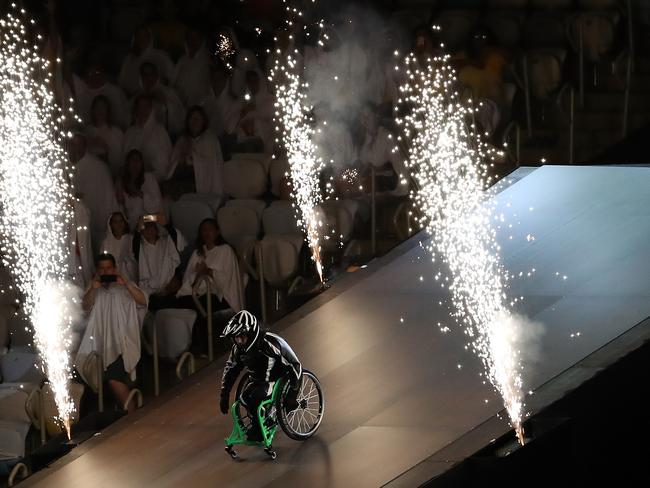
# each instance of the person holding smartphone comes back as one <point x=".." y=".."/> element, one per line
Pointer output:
<point x="113" y="330"/>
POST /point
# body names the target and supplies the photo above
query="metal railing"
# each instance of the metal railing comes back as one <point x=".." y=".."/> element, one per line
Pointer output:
<point x="205" y="279"/>
<point x="20" y="471"/>
<point x="185" y="357"/>
<point x="134" y="393"/>
<point x="37" y="416"/>
<point x="259" y="256"/>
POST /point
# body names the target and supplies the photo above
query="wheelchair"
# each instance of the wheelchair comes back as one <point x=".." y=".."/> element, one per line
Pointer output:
<point x="299" y="424"/>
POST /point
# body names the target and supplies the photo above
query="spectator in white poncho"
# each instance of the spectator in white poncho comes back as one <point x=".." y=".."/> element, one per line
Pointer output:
<point x="197" y="161"/>
<point x="158" y="261"/>
<point x="95" y="83"/>
<point x="254" y="129"/>
<point x="137" y="190"/>
<point x="143" y="51"/>
<point x="94" y="185"/>
<point x="377" y="149"/>
<point x="105" y="139"/>
<point x="220" y="105"/>
<point x="192" y="72"/>
<point x="217" y="261"/>
<point x="149" y="137"/>
<point x="118" y="243"/>
<point x="169" y="108"/>
<point x="113" y="329"/>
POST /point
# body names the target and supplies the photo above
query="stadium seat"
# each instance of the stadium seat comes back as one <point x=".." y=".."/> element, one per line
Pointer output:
<point x="277" y="171"/>
<point x="338" y="222"/>
<point x="262" y="158"/>
<point x="545" y="71"/>
<point x="598" y="32"/>
<point x="213" y="201"/>
<point x="244" y="178"/>
<point x="174" y="331"/>
<point x="188" y="214"/>
<point x="281" y="244"/>
<point x="257" y="206"/>
<point x="20" y="367"/>
<point x="14" y="421"/>
<point x="240" y="226"/>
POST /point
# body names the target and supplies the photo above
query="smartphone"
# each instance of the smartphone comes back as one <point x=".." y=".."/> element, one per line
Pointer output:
<point x="108" y="278"/>
<point x="150" y="218"/>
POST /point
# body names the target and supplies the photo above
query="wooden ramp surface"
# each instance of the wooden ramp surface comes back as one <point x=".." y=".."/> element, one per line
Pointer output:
<point x="397" y="389"/>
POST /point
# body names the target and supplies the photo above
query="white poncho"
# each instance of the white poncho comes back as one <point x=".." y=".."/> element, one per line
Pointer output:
<point x="169" y="108"/>
<point x="378" y="149"/>
<point x="206" y="159"/>
<point x="225" y="273"/>
<point x="192" y="76"/>
<point x="94" y="182"/>
<point x="222" y="110"/>
<point x="157" y="263"/>
<point x="85" y="95"/>
<point x="121" y="250"/>
<point x="149" y="203"/>
<point x="152" y="140"/>
<point x="113" y="329"/>
<point x="113" y="137"/>
<point x="130" y="73"/>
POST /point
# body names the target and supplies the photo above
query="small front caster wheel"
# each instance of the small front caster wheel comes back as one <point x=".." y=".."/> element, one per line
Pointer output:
<point x="231" y="452"/>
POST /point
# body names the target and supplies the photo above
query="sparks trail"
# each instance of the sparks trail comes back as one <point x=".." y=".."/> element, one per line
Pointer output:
<point x="35" y="196"/>
<point x="445" y="161"/>
<point x="293" y="122"/>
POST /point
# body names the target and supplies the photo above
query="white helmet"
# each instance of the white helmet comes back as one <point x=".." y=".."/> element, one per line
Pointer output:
<point x="242" y="323"/>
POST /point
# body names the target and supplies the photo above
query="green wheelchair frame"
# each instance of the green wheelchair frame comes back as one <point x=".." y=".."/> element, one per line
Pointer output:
<point x="238" y="435"/>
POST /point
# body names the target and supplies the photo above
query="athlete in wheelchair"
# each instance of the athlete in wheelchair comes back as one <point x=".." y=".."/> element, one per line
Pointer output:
<point x="275" y="389"/>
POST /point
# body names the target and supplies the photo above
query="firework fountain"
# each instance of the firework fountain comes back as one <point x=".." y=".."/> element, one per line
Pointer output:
<point x="293" y="116"/>
<point x="445" y="160"/>
<point x="35" y="210"/>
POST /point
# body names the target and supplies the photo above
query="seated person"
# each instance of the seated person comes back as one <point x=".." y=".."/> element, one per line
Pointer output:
<point x="118" y="243"/>
<point x="216" y="259"/>
<point x="254" y="129"/>
<point x="137" y="190"/>
<point x="113" y="329"/>
<point x="267" y="357"/>
<point x="197" y="161"/>
<point x="158" y="262"/>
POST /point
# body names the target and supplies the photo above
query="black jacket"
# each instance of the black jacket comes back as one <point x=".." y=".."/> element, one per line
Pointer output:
<point x="267" y="359"/>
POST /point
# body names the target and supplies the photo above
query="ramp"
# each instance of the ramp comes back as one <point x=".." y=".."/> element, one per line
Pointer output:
<point x="397" y="389"/>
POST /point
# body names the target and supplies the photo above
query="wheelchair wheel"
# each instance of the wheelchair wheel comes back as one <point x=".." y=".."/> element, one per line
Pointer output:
<point x="300" y="424"/>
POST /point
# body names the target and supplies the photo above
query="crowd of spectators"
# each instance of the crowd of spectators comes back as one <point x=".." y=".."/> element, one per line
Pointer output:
<point x="168" y="93"/>
<point x="163" y="103"/>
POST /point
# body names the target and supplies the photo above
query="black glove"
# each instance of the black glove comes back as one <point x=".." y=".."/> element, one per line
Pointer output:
<point x="224" y="403"/>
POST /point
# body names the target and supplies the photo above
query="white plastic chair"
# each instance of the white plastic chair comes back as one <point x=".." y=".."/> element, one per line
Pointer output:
<point x="244" y="178"/>
<point x="188" y="214"/>
<point x="277" y="174"/>
<point x="262" y="158"/>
